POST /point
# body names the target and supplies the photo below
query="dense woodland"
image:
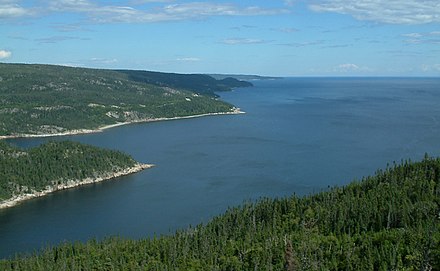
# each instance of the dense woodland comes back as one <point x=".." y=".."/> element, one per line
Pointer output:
<point x="22" y="171"/>
<point x="47" y="99"/>
<point x="390" y="221"/>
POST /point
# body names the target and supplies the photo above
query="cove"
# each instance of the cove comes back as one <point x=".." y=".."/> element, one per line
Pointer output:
<point x="299" y="135"/>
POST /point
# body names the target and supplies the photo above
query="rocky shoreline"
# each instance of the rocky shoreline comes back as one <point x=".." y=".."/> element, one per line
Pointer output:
<point x="101" y="129"/>
<point x="71" y="184"/>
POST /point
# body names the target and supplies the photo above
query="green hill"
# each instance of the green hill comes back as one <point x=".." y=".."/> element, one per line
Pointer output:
<point x="54" y="166"/>
<point x="48" y="99"/>
<point x="200" y="83"/>
<point x="390" y="221"/>
<point x="245" y="77"/>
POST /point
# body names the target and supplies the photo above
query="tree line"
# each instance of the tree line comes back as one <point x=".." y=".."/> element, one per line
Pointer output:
<point x="22" y="171"/>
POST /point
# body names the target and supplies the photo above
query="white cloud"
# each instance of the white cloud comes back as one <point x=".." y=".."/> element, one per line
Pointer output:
<point x="384" y="11"/>
<point x="140" y="11"/>
<point x="419" y="35"/>
<point x="74" y="27"/>
<point x="303" y="44"/>
<point x="171" y="12"/>
<point x="289" y="2"/>
<point x="71" y="5"/>
<point x="347" y="67"/>
<point x="423" y="38"/>
<point x="201" y="9"/>
<point x="98" y="60"/>
<point x="286" y="29"/>
<point x="140" y="2"/>
<point x="237" y="41"/>
<point x="431" y="68"/>
<point x="10" y="9"/>
<point x="350" y="68"/>
<point x="188" y="59"/>
<point x="412" y="35"/>
<point x="56" y="39"/>
<point x="5" y="54"/>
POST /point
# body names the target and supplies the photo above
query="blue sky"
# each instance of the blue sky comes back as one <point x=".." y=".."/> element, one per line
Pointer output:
<point x="270" y="37"/>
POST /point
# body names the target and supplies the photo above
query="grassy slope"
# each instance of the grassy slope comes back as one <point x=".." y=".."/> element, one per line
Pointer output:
<point x="41" y="99"/>
<point x="386" y="222"/>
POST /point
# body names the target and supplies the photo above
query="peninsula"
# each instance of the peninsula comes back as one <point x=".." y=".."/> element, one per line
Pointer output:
<point x="54" y="166"/>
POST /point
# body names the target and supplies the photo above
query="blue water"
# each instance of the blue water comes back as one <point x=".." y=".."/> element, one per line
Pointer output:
<point x="299" y="135"/>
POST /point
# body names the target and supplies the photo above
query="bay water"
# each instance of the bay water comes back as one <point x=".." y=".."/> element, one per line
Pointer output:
<point x="298" y="136"/>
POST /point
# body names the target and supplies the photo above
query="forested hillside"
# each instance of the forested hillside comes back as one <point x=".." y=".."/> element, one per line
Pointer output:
<point x="199" y="83"/>
<point x="55" y="164"/>
<point x="47" y="99"/>
<point x="390" y="221"/>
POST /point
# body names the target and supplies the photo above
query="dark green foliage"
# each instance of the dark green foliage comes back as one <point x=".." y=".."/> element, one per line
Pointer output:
<point x="386" y="222"/>
<point x="54" y="163"/>
<point x="46" y="99"/>
<point x="200" y="83"/>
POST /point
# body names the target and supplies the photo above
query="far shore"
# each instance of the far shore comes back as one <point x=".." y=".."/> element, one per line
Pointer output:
<point x="71" y="184"/>
<point x="101" y="129"/>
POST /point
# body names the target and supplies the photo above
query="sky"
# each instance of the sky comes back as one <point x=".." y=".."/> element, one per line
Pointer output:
<point x="264" y="37"/>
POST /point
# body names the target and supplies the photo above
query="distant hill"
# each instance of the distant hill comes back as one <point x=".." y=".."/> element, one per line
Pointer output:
<point x="200" y="83"/>
<point x="49" y="99"/>
<point x="243" y="77"/>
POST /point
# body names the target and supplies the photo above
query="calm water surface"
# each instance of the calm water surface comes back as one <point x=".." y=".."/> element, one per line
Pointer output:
<point x="298" y="136"/>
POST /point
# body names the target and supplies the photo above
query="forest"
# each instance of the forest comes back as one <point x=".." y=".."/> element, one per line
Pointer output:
<point x="199" y="83"/>
<point x="49" y="99"/>
<point x="27" y="170"/>
<point x="389" y="221"/>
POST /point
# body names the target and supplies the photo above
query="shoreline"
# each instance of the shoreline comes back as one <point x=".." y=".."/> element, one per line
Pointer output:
<point x="235" y="111"/>
<point x="15" y="200"/>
